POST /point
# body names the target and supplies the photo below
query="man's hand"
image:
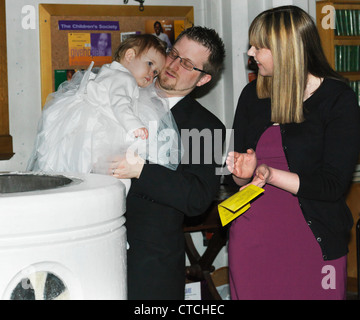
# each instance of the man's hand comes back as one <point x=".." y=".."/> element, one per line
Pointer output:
<point x="128" y="167"/>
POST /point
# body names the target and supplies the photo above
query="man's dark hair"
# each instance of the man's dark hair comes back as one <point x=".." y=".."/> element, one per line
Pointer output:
<point x="210" y="39"/>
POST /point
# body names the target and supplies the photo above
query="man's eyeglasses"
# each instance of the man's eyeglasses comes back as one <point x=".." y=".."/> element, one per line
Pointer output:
<point x="185" y="63"/>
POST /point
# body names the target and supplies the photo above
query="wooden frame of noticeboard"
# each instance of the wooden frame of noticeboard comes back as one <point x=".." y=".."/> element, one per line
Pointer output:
<point x="54" y="52"/>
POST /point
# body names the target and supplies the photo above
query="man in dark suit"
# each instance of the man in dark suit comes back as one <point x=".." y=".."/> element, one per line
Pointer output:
<point x="159" y="198"/>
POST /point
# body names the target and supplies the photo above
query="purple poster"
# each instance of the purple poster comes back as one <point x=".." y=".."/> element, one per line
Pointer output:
<point x="101" y="44"/>
<point x="89" y="25"/>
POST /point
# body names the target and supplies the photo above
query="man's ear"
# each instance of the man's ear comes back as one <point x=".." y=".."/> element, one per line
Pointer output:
<point x="203" y="80"/>
<point x="129" y="54"/>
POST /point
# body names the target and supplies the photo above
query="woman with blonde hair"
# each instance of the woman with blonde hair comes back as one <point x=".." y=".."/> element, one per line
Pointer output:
<point x="297" y="135"/>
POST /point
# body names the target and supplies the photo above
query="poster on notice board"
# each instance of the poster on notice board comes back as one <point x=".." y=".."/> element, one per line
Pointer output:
<point x="87" y="47"/>
<point x="166" y="30"/>
<point x="92" y="43"/>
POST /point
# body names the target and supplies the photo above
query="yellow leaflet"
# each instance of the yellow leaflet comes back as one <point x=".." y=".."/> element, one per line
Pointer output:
<point x="237" y="204"/>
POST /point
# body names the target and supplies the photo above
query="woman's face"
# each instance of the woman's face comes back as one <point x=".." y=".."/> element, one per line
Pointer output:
<point x="103" y="41"/>
<point x="264" y="60"/>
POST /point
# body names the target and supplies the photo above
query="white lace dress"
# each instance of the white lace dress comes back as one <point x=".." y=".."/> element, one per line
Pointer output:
<point x="90" y="121"/>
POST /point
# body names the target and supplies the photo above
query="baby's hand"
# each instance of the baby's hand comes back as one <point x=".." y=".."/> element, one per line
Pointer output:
<point x="142" y="133"/>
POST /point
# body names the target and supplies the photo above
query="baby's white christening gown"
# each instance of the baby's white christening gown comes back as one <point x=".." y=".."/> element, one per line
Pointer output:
<point x="89" y="121"/>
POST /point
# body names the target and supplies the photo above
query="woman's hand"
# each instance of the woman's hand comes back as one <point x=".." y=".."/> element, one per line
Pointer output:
<point x="242" y="165"/>
<point x="285" y="180"/>
<point x="262" y="176"/>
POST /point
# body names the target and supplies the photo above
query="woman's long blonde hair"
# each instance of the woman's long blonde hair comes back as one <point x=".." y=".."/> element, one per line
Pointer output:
<point x="292" y="37"/>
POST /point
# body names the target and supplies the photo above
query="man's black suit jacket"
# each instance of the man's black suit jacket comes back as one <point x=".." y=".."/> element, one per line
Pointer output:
<point x="158" y="201"/>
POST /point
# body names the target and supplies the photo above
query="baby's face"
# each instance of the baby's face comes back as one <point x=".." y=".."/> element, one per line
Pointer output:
<point x="146" y="67"/>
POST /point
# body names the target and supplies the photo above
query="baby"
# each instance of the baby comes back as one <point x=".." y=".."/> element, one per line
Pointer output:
<point x="93" y="115"/>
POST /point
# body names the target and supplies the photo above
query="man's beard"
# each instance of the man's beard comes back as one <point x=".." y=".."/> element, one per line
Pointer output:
<point x="166" y="84"/>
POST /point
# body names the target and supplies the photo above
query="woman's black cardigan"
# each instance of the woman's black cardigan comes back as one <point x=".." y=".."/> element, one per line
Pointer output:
<point x="323" y="151"/>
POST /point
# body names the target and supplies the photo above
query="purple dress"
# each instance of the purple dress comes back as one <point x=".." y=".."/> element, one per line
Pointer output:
<point x="273" y="254"/>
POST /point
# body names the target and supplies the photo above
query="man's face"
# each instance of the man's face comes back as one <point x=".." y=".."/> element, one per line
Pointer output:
<point x="175" y="80"/>
<point x="157" y="29"/>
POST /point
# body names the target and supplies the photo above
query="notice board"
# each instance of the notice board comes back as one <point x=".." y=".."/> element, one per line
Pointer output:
<point x="71" y="36"/>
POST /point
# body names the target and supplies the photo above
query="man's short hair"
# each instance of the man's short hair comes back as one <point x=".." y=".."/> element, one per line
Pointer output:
<point x="210" y="39"/>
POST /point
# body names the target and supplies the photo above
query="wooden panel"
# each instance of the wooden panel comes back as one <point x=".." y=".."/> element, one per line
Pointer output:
<point x="347" y="41"/>
<point x="326" y="35"/>
<point x="343" y="6"/>
<point x="114" y="10"/>
<point x="351" y="76"/>
<point x="353" y="203"/>
<point x="5" y="138"/>
<point x="328" y="38"/>
<point x="6" y="151"/>
<point x="45" y="53"/>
